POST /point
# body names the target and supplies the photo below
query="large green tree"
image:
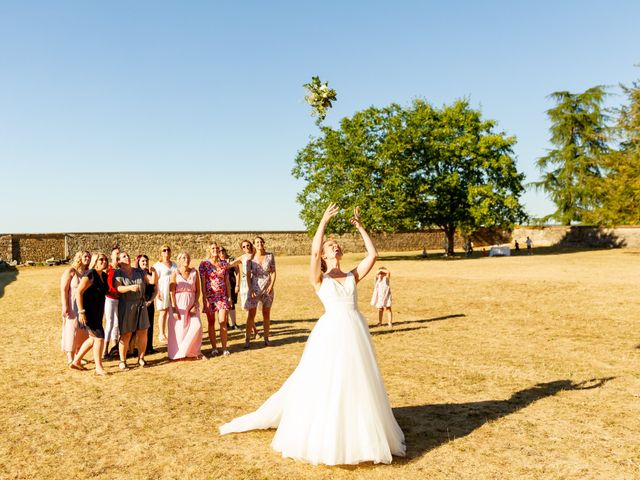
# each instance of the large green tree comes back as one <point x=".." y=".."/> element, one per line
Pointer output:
<point x="413" y="168"/>
<point x="572" y="170"/>
<point x="619" y="191"/>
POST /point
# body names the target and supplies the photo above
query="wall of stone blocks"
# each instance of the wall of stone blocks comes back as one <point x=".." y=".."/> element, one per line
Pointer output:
<point x="40" y="247"/>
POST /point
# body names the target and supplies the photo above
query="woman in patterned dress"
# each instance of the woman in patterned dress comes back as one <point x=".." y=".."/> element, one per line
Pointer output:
<point x="263" y="277"/>
<point x="72" y="335"/>
<point x="215" y="295"/>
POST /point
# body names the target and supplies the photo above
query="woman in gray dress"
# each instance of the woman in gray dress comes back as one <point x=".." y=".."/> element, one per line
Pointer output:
<point x="132" y="311"/>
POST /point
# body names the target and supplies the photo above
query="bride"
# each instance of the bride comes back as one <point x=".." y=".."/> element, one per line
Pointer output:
<point x="333" y="409"/>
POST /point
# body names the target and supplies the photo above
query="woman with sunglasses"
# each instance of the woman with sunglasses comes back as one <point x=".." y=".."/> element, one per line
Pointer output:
<point x="216" y="291"/>
<point x="164" y="268"/>
<point x="245" y="291"/>
<point x="132" y="312"/>
<point x="90" y="300"/>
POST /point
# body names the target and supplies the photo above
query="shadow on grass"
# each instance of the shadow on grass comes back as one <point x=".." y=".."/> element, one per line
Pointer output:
<point x="7" y="276"/>
<point x="428" y="426"/>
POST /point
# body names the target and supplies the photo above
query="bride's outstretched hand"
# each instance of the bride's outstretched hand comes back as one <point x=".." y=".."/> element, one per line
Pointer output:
<point x="355" y="220"/>
<point x="331" y="211"/>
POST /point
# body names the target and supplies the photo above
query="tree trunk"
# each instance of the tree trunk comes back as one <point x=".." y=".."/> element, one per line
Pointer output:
<point x="449" y="232"/>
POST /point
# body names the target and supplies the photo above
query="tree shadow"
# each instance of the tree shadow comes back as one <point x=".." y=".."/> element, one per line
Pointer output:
<point x="428" y="426"/>
<point x="7" y="275"/>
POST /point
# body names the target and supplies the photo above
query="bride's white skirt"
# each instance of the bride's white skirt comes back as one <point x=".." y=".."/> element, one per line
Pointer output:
<point x="333" y="409"/>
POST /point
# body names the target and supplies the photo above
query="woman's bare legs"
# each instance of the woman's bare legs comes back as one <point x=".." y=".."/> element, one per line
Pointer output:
<point x="123" y="346"/>
<point x="211" y="321"/>
<point x="162" y="324"/>
<point x="380" y="313"/>
<point x="266" y="323"/>
<point x="223" y="330"/>
<point x="97" y="355"/>
<point x="141" y="343"/>
<point x="250" y="326"/>
<point x="389" y="316"/>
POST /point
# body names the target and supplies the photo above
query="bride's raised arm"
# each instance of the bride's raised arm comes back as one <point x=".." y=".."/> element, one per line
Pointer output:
<point x="367" y="262"/>
<point x="315" y="271"/>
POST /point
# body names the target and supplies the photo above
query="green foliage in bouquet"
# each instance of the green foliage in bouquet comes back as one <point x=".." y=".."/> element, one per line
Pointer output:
<point x="319" y="96"/>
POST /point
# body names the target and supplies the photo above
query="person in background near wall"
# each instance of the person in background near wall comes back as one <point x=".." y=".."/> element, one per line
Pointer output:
<point x="529" y="243"/>
<point x="72" y="335"/>
<point x="215" y="296"/>
<point x="233" y="274"/>
<point x="90" y="297"/>
<point x="185" y="327"/>
<point x="381" y="298"/>
<point x="164" y="268"/>
<point x="111" y="331"/>
<point x="517" y="246"/>
<point x="263" y="279"/>
<point x="150" y="290"/>
<point x="132" y="312"/>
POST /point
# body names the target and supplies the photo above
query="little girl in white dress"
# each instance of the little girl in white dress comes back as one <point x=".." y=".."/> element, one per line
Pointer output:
<point x="381" y="298"/>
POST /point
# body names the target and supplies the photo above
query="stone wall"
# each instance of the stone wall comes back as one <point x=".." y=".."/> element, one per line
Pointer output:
<point x="39" y="247"/>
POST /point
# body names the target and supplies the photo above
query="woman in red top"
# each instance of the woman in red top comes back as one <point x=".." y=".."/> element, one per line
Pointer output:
<point x="111" y="331"/>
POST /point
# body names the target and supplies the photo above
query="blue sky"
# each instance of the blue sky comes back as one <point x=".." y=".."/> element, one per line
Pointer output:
<point x="187" y="115"/>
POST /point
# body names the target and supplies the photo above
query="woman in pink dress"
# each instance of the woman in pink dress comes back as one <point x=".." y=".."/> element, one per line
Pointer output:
<point x="185" y="327"/>
<point x="72" y="335"/>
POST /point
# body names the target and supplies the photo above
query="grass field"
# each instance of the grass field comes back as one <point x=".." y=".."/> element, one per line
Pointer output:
<point x="521" y="367"/>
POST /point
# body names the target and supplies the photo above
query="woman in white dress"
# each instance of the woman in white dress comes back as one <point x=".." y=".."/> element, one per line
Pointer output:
<point x="333" y="409"/>
<point x="164" y="268"/>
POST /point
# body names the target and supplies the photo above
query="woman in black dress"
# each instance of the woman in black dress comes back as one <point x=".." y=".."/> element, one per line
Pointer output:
<point x="149" y="296"/>
<point x="90" y="301"/>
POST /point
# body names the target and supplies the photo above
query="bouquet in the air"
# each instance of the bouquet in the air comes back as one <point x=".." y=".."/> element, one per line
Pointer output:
<point x="319" y="96"/>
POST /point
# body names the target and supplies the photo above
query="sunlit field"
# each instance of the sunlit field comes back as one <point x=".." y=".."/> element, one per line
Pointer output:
<point x="520" y="367"/>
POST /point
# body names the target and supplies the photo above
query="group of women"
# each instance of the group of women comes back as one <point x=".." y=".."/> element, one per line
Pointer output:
<point x="128" y="291"/>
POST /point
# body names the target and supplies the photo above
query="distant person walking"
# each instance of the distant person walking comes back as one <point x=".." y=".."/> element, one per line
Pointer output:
<point x="517" y="246"/>
<point x="529" y="243"/>
<point x="73" y="336"/>
<point x="381" y="298"/>
<point x="164" y="268"/>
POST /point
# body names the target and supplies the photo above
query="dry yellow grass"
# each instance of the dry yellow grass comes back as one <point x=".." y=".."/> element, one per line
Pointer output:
<point x="522" y="367"/>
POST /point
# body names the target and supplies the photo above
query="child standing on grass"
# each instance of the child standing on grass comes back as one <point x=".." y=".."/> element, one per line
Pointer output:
<point x="381" y="298"/>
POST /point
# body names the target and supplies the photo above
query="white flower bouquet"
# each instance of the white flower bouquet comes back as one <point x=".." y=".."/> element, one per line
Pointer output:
<point x="319" y="96"/>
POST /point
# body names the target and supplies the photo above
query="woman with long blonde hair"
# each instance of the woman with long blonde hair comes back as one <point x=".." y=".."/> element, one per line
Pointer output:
<point x="72" y="335"/>
<point x="90" y="299"/>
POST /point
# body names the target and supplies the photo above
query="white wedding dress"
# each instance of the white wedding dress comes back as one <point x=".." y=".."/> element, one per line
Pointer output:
<point x="333" y="409"/>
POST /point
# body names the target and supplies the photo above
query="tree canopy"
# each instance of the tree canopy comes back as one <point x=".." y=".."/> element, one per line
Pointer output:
<point x="413" y="168"/>
<point x="618" y="194"/>
<point x="572" y="171"/>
